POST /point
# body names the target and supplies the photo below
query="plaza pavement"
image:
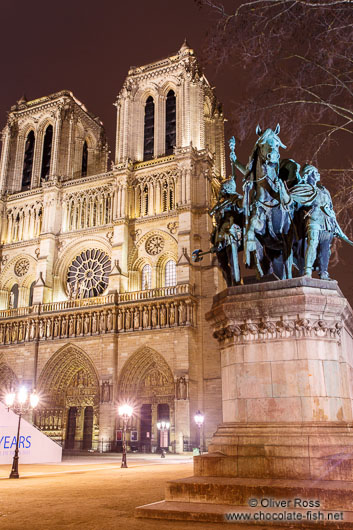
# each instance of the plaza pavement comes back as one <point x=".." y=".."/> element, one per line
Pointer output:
<point x="91" y="493"/>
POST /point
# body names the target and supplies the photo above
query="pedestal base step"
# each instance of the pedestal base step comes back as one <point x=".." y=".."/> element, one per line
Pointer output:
<point x="267" y="502"/>
<point x="239" y="516"/>
<point x="330" y="495"/>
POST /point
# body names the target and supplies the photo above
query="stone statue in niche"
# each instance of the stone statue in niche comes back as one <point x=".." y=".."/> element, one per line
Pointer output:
<point x="154" y="317"/>
<point x="12" y="300"/>
<point x="145" y="317"/>
<point x="163" y="315"/>
<point x="171" y="315"/>
<point x="182" y="313"/>
<point x="86" y="324"/>
<point x="106" y="398"/>
<point x="182" y="388"/>
<point x="109" y="321"/>
<point x="127" y="320"/>
<point x="136" y="319"/>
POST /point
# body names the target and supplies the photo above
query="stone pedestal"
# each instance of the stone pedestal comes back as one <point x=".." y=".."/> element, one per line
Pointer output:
<point x="287" y="396"/>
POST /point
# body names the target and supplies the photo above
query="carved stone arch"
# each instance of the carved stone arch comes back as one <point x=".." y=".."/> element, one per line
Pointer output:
<point x="8" y="379"/>
<point x="141" y="365"/>
<point x="79" y="131"/>
<point x="8" y="278"/>
<point x="26" y="128"/>
<point x="90" y="139"/>
<point x="140" y="250"/>
<point x="140" y="263"/>
<point x="44" y="122"/>
<point x="62" y="366"/>
<point x="170" y="85"/>
<point x="143" y="94"/>
<point x="69" y="386"/>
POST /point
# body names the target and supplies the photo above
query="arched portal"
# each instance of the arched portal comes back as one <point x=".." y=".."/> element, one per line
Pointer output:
<point x="147" y="381"/>
<point x="8" y="380"/>
<point x="69" y="389"/>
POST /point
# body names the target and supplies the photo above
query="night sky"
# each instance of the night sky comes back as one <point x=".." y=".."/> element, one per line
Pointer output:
<point x="87" y="47"/>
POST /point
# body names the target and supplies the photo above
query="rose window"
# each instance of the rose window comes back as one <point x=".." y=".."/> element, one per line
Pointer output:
<point x="21" y="267"/>
<point x="88" y="273"/>
<point x="154" y="245"/>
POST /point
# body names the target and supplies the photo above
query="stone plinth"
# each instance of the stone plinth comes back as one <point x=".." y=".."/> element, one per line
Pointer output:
<point x="287" y="389"/>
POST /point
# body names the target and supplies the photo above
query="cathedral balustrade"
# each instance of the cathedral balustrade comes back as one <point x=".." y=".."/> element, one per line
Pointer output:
<point x="97" y="316"/>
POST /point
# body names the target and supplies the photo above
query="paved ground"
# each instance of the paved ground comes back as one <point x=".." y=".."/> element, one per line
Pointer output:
<point x="91" y="493"/>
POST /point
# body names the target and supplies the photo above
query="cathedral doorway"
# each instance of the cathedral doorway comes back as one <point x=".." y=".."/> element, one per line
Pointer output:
<point x="147" y="382"/>
<point x="163" y="414"/>
<point x="146" y="427"/>
<point x="70" y="405"/>
<point x="71" y="428"/>
<point x="87" y="429"/>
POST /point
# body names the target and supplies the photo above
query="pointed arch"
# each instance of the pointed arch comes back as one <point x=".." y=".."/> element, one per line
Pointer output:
<point x="170" y="122"/>
<point x="61" y="368"/>
<point x="28" y="160"/>
<point x="148" y="142"/>
<point x="143" y="365"/>
<point x="8" y="379"/>
<point x="46" y="154"/>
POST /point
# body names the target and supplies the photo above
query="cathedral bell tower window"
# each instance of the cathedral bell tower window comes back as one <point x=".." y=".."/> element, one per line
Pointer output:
<point x="84" y="159"/>
<point x="47" y="145"/>
<point x="28" y="161"/>
<point x="148" y="144"/>
<point x="170" y="123"/>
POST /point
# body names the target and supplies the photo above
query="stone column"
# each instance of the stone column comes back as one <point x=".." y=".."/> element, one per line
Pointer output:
<point x="6" y="137"/>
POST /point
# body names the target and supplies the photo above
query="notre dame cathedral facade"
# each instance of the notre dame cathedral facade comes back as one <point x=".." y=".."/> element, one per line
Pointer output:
<point x="99" y="299"/>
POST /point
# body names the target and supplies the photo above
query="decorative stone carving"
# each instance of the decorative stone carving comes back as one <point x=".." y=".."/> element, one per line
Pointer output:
<point x="265" y="329"/>
<point x="21" y="267"/>
<point x="154" y="245"/>
<point x="173" y="227"/>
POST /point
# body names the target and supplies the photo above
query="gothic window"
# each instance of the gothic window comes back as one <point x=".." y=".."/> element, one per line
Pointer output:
<point x="171" y="197"/>
<point x="31" y="291"/>
<point x="145" y="201"/>
<point x="147" y="277"/>
<point x="84" y="159"/>
<point x="88" y="273"/>
<point x="165" y="197"/>
<point x="28" y="161"/>
<point x="46" y="157"/>
<point x="170" y="123"/>
<point x="148" y="143"/>
<point x="170" y="273"/>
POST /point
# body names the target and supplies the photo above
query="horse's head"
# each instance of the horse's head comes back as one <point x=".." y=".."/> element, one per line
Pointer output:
<point x="268" y="145"/>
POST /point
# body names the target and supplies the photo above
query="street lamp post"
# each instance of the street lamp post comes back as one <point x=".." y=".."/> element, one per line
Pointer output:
<point x="20" y="403"/>
<point x="162" y="426"/>
<point x="199" y="419"/>
<point x="125" y="411"/>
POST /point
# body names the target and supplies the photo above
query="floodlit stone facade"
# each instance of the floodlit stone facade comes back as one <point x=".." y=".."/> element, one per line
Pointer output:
<point x="99" y="299"/>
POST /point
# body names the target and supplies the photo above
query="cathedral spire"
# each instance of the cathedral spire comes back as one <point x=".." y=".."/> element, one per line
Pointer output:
<point x="185" y="48"/>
